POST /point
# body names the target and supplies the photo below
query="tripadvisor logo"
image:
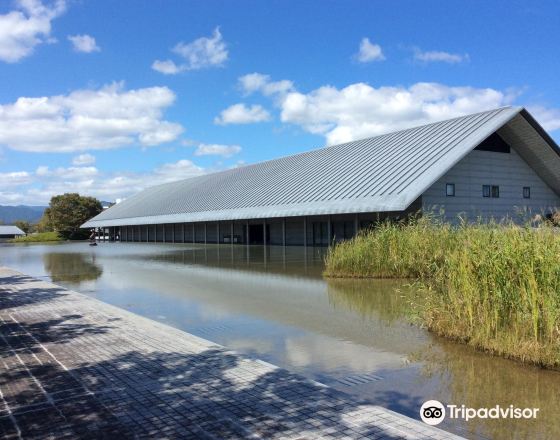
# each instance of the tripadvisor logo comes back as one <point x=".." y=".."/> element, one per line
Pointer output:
<point x="433" y="412"/>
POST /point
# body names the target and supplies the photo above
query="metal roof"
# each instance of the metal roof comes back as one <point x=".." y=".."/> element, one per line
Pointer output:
<point x="10" y="230"/>
<point x="382" y="173"/>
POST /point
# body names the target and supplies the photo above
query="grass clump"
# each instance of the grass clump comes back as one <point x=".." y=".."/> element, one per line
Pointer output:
<point x="495" y="287"/>
<point x="39" y="237"/>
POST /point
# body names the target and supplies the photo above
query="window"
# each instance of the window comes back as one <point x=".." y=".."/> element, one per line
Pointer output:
<point x="526" y="192"/>
<point x="450" y="189"/>
<point x="491" y="191"/>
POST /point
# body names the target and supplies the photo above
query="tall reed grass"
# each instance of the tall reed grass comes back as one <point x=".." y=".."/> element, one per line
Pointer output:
<point x="496" y="287"/>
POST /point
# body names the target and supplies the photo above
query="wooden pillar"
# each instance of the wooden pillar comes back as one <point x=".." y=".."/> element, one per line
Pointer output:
<point x="183" y="230"/>
<point x="356" y="225"/>
<point x="155" y="233"/>
<point x="147" y="233"/>
<point x="205" y="233"/>
<point x="218" y="233"/>
<point x="231" y="233"/>
<point x="284" y="232"/>
<point x="193" y="233"/>
<point x="133" y="233"/>
<point x="264" y="234"/>
<point x="173" y="234"/>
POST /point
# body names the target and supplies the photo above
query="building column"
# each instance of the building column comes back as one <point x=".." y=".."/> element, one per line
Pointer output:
<point x="247" y="241"/>
<point x="205" y="233"/>
<point x="284" y="232"/>
<point x="305" y="231"/>
<point x="193" y="233"/>
<point x="329" y="231"/>
<point x="218" y="232"/>
<point x="173" y="232"/>
<point x="356" y="225"/>
<point x="231" y="233"/>
<point x="133" y="233"/>
<point x="183" y="230"/>
<point x="264" y="234"/>
<point x="155" y="233"/>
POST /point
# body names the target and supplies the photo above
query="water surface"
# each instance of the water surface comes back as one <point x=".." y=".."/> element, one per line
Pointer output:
<point x="354" y="335"/>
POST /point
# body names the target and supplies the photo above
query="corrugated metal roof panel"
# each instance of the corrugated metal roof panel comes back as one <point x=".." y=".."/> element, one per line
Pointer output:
<point x="382" y="173"/>
<point x="10" y="230"/>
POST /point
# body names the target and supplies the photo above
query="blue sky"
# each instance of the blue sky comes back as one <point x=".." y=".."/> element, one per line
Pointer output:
<point x="107" y="97"/>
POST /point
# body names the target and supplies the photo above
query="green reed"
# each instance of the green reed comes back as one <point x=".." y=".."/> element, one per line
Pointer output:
<point x="496" y="287"/>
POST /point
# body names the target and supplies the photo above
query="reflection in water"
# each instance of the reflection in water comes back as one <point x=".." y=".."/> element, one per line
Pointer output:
<point x="290" y="261"/>
<point x="276" y="306"/>
<point x="478" y="380"/>
<point x="385" y="299"/>
<point x="73" y="268"/>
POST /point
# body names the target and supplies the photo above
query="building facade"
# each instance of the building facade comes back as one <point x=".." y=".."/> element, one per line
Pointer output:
<point x="9" y="232"/>
<point x="492" y="165"/>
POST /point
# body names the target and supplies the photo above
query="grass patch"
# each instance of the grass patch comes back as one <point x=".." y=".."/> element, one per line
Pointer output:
<point x="40" y="237"/>
<point x="495" y="287"/>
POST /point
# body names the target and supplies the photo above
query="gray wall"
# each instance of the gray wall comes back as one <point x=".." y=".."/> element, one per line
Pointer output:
<point x="508" y="170"/>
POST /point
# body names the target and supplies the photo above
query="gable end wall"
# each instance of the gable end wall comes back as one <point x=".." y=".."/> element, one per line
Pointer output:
<point x="508" y="170"/>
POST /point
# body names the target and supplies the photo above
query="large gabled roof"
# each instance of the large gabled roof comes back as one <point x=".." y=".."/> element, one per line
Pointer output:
<point x="382" y="173"/>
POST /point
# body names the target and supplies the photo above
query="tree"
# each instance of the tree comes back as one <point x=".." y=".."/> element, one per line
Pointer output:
<point x="44" y="224"/>
<point x="67" y="212"/>
<point x="25" y="226"/>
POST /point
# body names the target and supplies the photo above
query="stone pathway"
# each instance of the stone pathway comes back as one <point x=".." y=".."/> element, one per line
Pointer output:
<point x="74" y="367"/>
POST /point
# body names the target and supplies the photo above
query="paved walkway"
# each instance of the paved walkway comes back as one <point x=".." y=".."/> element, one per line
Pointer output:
<point x="74" y="367"/>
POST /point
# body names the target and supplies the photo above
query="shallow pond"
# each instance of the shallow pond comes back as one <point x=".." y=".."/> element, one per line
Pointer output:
<point x="274" y="305"/>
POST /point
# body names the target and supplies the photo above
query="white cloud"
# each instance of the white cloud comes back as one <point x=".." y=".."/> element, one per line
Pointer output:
<point x="549" y="118"/>
<point x="242" y="114"/>
<point x="84" y="43"/>
<point x="83" y="159"/>
<point x="26" y="27"/>
<point x="166" y="67"/>
<point x="14" y="178"/>
<point x="36" y="188"/>
<point x="199" y="54"/>
<point x="369" y="52"/>
<point x="360" y="110"/>
<point x="257" y="82"/>
<point x="217" y="150"/>
<point x="108" y="117"/>
<point x="439" y="56"/>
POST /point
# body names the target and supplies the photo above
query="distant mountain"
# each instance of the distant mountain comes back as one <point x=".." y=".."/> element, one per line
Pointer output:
<point x="9" y="214"/>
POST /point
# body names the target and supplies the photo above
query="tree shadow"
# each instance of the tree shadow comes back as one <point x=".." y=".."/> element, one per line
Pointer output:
<point x="210" y="394"/>
<point x="17" y="297"/>
<point x="59" y="330"/>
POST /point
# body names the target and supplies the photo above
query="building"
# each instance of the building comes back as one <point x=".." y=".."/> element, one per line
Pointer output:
<point x="494" y="164"/>
<point x="8" y="232"/>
